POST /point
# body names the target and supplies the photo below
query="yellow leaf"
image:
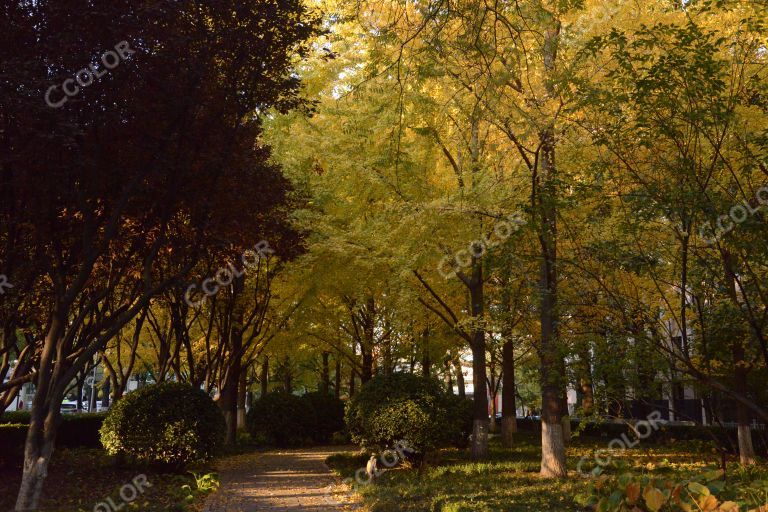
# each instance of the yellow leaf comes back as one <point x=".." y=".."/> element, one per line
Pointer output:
<point x="654" y="498"/>
<point x="633" y="492"/>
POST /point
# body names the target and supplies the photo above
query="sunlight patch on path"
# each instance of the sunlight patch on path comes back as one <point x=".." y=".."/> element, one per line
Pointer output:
<point x="280" y="481"/>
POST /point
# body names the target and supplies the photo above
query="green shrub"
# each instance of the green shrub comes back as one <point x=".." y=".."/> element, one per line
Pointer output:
<point x="15" y="417"/>
<point x="643" y="493"/>
<point x="460" y="419"/>
<point x="277" y="419"/>
<point x="323" y="415"/>
<point x="80" y="430"/>
<point x="340" y="438"/>
<point x="12" y="438"/>
<point x="167" y="424"/>
<point x="409" y="408"/>
<point x="284" y="419"/>
<point x="75" y="431"/>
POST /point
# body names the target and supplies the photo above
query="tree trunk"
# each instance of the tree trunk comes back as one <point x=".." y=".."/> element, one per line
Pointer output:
<point x="80" y="383"/>
<point x="460" y="385"/>
<point x="242" y="391"/>
<point x="367" y="373"/>
<point x="93" y="397"/>
<point x="566" y="416"/>
<point x="585" y="381"/>
<point x="352" y="372"/>
<point x="426" y="360"/>
<point x="479" y="376"/>
<point x="106" y="391"/>
<point x="508" y="402"/>
<point x="740" y="370"/>
<point x="38" y="451"/>
<point x="264" y="377"/>
<point x="287" y="376"/>
<point x="325" y="381"/>
<point x="746" y="449"/>
<point x="552" y="441"/>
<point x="493" y="391"/>
<point x="368" y="341"/>
<point x="337" y="379"/>
<point x="44" y="420"/>
<point x="229" y="391"/>
<point x="386" y="360"/>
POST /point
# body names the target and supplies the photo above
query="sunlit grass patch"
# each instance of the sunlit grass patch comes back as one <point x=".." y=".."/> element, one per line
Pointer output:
<point x="509" y="479"/>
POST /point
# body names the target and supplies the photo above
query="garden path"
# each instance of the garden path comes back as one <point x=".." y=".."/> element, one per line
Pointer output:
<point x="280" y="481"/>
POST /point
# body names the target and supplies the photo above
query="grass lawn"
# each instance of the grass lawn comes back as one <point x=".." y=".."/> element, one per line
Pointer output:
<point x="508" y="481"/>
<point x="80" y="479"/>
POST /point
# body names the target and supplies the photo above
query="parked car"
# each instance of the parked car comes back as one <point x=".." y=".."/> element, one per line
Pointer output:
<point x="68" y="407"/>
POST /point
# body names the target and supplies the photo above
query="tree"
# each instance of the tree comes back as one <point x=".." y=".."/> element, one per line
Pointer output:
<point x="131" y="194"/>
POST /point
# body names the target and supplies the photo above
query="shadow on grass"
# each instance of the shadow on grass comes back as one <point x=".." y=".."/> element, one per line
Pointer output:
<point x="509" y="479"/>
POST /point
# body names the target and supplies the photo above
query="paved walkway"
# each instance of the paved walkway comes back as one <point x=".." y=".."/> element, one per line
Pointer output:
<point x="280" y="481"/>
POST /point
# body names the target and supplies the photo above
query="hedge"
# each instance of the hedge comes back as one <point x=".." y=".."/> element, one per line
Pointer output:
<point x="284" y="419"/>
<point x="75" y="431"/>
<point x="666" y="433"/>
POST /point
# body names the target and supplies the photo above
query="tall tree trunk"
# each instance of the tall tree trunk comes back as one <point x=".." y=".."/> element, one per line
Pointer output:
<point x="426" y="359"/>
<point x="553" y="463"/>
<point x="508" y="402"/>
<point x="493" y="390"/>
<point x="38" y="450"/>
<point x="479" y="371"/>
<point x="448" y="377"/>
<point x="386" y="362"/>
<point x="80" y="383"/>
<point x="740" y="369"/>
<point x="585" y="381"/>
<point x="460" y="385"/>
<point x="106" y="391"/>
<point x="337" y="379"/>
<point x="325" y="381"/>
<point x="264" y="376"/>
<point x="44" y="420"/>
<point x="94" y="394"/>
<point x="368" y="341"/>
<point x="229" y="394"/>
<point x="287" y="376"/>
<point x="242" y="392"/>
<point x="352" y="371"/>
<point x="234" y="365"/>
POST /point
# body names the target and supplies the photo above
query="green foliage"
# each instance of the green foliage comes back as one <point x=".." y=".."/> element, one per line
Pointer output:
<point x="410" y="408"/>
<point x="75" y="431"/>
<point x="506" y="481"/>
<point x="17" y="417"/>
<point x="80" y="430"/>
<point x="12" y="438"/>
<point x="167" y="424"/>
<point x="644" y="493"/>
<point x="187" y="494"/>
<point x="324" y="415"/>
<point x="284" y="419"/>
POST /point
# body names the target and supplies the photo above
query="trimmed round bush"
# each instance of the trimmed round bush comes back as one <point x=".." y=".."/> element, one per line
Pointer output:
<point x="323" y="416"/>
<point x="167" y="424"/>
<point x="284" y="419"/>
<point x="276" y="419"/>
<point x="407" y="408"/>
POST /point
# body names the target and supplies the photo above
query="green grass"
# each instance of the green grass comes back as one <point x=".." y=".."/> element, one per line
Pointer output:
<point x="509" y="481"/>
<point x="81" y="478"/>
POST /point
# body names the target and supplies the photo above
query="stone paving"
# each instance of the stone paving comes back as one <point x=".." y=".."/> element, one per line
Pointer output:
<point x="280" y="481"/>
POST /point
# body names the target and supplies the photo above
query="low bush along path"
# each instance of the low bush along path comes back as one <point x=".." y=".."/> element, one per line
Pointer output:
<point x="284" y="481"/>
